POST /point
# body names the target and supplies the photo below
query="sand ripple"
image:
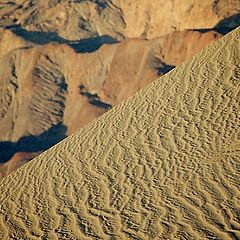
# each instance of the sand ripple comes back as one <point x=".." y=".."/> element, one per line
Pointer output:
<point x="163" y="165"/>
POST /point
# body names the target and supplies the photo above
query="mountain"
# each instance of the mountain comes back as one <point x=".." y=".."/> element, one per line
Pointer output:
<point x="82" y="19"/>
<point x="162" y="164"/>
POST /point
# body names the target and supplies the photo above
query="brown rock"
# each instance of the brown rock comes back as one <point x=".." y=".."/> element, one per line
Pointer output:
<point x="119" y="19"/>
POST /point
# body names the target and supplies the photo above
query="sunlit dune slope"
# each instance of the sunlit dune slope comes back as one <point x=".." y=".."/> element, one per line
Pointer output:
<point x="162" y="165"/>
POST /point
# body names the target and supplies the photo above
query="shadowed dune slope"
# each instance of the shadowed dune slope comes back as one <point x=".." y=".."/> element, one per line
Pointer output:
<point x="162" y="165"/>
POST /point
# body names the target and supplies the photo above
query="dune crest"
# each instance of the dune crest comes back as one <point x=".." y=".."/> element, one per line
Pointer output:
<point x="162" y="165"/>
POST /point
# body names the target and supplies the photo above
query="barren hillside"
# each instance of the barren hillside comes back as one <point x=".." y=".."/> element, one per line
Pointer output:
<point x="81" y="19"/>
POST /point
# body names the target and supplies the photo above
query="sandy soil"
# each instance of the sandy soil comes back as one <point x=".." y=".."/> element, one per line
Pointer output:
<point x="162" y="165"/>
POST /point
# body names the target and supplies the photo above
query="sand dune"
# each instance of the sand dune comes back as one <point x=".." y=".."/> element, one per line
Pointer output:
<point x="162" y="165"/>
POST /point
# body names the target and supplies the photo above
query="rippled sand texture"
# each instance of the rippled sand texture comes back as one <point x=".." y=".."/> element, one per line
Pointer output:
<point x="162" y="165"/>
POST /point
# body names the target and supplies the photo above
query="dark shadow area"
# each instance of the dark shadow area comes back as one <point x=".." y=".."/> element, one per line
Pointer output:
<point x="224" y="26"/>
<point x="92" y="44"/>
<point x="98" y="103"/>
<point x="37" y="37"/>
<point x="94" y="98"/>
<point x="33" y="143"/>
<point x="102" y="4"/>
<point x="204" y="30"/>
<point x="228" y="24"/>
<point x="81" y="46"/>
<point x="7" y="150"/>
<point x="164" y="69"/>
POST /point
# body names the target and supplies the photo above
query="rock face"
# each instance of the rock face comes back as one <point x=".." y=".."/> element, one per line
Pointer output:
<point x="41" y="85"/>
<point x="64" y="63"/>
<point x="74" y="20"/>
<point x="162" y="165"/>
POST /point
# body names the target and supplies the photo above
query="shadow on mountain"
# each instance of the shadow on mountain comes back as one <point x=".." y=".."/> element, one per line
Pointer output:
<point x="81" y="46"/>
<point x="33" y="143"/>
<point x="94" y="99"/>
<point x="164" y="69"/>
<point x="224" y="26"/>
<point x="228" y="24"/>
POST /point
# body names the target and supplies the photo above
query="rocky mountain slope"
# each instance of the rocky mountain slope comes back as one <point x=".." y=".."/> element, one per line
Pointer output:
<point x="64" y="63"/>
<point x="162" y="165"/>
<point x="81" y="19"/>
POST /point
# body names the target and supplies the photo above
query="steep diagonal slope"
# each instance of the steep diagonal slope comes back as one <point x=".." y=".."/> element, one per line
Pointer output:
<point x="162" y="165"/>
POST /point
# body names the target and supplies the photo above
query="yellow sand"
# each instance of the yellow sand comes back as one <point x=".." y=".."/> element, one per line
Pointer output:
<point x="162" y="165"/>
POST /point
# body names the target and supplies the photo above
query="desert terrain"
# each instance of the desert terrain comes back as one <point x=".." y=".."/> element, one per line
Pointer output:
<point x="163" y="164"/>
<point x="63" y="63"/>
